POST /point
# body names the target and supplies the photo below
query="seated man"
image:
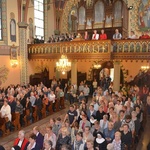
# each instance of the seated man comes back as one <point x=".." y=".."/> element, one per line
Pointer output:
<point x="21" y="141"/>
<point x="117" y="35"/>
<point x="95" y="35"/>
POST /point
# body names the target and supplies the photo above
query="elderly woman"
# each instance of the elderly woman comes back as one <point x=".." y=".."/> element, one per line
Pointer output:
<point x="104" y="123"/>
<point x="48" y="145"/>
<point x="6" y="111"/>
<point x="117" y="141"/>
<point x="63" y="138"/>
<point x="50" y="136"/>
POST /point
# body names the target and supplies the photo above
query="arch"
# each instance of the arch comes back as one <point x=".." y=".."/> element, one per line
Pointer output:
<point x="109" y="65"/>
<point x="99" y="13"/>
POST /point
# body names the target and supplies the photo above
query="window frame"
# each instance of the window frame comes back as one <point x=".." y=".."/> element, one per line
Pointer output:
<point x="38" y="9"/>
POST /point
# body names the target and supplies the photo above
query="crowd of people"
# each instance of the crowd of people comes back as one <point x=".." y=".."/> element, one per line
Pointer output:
<point x="111" y="120"/>
<point x="95" y="36"/>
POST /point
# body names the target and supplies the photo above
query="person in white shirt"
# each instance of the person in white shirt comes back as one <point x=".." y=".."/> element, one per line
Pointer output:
<point x="96" y="106"/>
<point x="86" y="92"/>
<point x="132" y="35"/>
<point x="6" y="111"/>
<point x="21" y="141"/>
<point x="32" y="99"/>
<point x="94" y="84"/>
<point x="95" y="35"/>
<point x="118" y="107"/>
<point x="49" y="135"/>
<point x="52" y="98"/>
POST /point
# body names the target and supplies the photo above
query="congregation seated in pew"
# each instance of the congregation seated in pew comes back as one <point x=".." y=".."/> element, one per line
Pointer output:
<point x="117" y="122"/>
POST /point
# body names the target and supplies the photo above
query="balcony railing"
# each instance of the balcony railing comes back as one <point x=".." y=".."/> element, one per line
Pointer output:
<point x="71" y="47"/>
<point x="101" y="49"/>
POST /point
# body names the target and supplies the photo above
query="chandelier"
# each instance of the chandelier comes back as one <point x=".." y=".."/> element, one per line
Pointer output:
<point x="97" y="66"/>
<point x="63" y="65"/>
<point x="145" y="68"/>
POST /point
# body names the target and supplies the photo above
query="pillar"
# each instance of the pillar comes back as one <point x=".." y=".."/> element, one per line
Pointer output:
<point x="23" y="52"/>
<point x="73" y="72"/>
<point x="116" y="82"/>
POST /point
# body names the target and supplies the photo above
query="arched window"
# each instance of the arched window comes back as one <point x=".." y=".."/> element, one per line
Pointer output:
<point x="81" y="15"/>
<point x="117" y="14"/>
<point x="99" y="12"/>
<point x="39" y="18"/>
<point x="0" y="20"/>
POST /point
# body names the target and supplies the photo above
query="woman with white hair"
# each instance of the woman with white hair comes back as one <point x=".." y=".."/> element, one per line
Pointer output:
<point x="117" y="141"/>
<point x="104" y="123"/>
<point x="21" y="141"/>
<point x="48" y="145"/>
<point x="6" y="111"/>
<point x="110" y="146"/>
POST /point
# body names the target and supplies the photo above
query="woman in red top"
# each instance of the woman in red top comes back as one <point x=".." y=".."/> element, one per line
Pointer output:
<point x="103" y="35"/>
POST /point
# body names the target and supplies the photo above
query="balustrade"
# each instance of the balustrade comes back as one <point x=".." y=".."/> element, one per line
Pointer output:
<point x="107" y="49"/>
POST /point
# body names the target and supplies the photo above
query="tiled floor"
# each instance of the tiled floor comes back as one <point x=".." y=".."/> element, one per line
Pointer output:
<point x="7" y="141"/>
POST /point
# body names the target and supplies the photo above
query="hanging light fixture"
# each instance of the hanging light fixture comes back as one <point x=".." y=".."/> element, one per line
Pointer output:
<point x="63" y="65"/>
<point x="97" y="66"/>
<point x="145" y="68"/>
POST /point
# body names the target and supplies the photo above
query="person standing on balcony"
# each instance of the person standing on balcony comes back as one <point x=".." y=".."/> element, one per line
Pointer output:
<point x="117" y="35"/>
<point x="86" y="36"/>
<point x="95" y="35"/>
<point x="103" y="35"/>
<point x="132" y="35"/>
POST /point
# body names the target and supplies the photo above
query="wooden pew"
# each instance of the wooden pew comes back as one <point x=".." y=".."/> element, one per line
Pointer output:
<point x="43" y="111"/>
<point x="16" y="120"/>
<point x="62" y="102"/>
<point x="27" y="117"/>
<point x="50" y="108"/>
<point x="57" y="103"/>
<point x="2" y="125"/>
<point x="35" y="116"/>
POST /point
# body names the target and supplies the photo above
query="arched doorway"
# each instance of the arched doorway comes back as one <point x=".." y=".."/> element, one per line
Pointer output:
<point x="106" y="70"/>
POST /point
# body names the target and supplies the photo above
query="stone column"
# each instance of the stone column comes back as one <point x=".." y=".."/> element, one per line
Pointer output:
<point x="116" y="83"/>
<point x="74" y="72"/>
<point x="23" y="53"/>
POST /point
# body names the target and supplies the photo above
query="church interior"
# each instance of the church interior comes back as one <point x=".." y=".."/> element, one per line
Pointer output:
<point x="47" y="41"/>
